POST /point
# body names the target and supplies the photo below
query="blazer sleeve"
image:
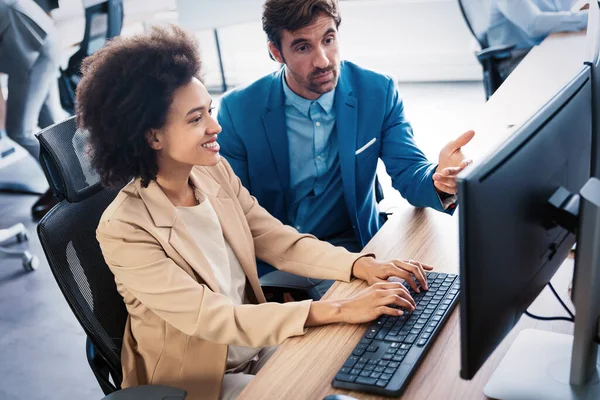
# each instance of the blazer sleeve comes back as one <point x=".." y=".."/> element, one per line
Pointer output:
<point x="141" y="266"/>
<point x="411" y="172"/>
<point x="232" y="146"/>
<point x="287" y="250"/>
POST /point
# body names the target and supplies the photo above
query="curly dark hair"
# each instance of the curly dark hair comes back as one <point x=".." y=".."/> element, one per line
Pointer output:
<point x="126" y="90"/>
<point x="292" y="15"/>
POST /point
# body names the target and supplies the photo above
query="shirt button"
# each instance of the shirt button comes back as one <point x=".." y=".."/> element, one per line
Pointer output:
<point x="318" y="124"/>
<point x="319" y="158"/>
<point x="297" y="227"/>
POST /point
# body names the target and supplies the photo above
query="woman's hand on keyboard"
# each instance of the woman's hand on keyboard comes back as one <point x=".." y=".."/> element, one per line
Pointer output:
<point x="375" y="301"/>
<point x="373" y="271"/>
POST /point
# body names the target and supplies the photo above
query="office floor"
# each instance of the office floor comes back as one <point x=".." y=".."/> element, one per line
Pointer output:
<point x="42" y="345"/>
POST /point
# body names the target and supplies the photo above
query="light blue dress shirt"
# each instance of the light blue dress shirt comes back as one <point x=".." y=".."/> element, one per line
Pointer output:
<point x="526" y="23"/>
<point x="316" y="190"/>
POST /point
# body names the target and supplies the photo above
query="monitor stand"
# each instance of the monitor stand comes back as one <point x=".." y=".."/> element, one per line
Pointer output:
<point x="537" y="366"/>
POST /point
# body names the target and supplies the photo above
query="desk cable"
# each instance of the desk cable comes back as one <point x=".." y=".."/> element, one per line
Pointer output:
<point x="570" y="318"/>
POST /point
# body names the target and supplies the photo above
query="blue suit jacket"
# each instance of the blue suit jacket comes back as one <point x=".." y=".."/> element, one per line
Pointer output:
<point x="255" y="142"/>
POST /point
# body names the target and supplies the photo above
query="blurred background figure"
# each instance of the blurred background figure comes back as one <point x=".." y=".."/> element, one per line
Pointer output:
<point x="525" y="23"/>
<point x="29" y="54"/>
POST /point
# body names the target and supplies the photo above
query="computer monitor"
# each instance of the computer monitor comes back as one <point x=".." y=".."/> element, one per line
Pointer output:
<point x="593" y="50"/>
<point x="510" y="246"/>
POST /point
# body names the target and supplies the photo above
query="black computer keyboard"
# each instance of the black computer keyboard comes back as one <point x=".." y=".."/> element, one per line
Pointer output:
<point x="392" y="348"/>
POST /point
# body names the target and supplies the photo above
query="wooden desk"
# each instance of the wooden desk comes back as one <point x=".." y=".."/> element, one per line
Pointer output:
<point x="304" y="366"/>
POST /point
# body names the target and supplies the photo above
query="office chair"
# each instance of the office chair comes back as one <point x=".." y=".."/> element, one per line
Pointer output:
<point x="476" y="15"/>
<point x="18" y="231"/>
<point x="68" y="236"/>
<point x="103" y="21"/>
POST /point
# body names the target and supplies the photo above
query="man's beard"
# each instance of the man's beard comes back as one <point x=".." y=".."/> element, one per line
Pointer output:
<point x="316" y="87"/>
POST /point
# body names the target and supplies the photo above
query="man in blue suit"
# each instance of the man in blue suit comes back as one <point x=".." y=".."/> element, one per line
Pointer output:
<point x="305" y="140"/>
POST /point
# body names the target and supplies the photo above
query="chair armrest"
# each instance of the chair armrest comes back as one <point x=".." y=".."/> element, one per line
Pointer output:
<point x="148" y="392"/>
<point x="496" y="52"/>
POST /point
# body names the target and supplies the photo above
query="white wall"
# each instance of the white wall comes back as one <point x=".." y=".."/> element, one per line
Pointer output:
<point x="415" y="40"/>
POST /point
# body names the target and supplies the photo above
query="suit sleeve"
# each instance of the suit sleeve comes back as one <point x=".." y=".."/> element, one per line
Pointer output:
<point x="232" y="146"/>
<point x="141" y="266"/>
<point x="411" y="172"/>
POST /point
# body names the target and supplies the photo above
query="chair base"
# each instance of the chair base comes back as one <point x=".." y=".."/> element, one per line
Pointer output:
<point x="18" y="231"/>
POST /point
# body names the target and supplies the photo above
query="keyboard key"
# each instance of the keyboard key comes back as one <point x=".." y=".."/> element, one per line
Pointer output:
<point x="345" y="377"/>
<point x="381" y="334"/>
<point x="410" y="339"/>
<point x="426" y="336"/>
<point x="389" y="370"/>
<point x="387" y="356"/>
<point x="379" y="369"/>
<point x="351" y="361"/>
<point x="371" y="333"/>
<point x="366" y="381"/>
<point x="404" y="347"/>
<point x="365" y="341"/>
<point x="436" y="318"/>
<point x="363" y="360"/>
<point x="391" y="338"/>
<point x="364" y="373"/>
<point x="386" y="376"/>
<point x="429" y="329"/>
<point x="383" y="363"/>
<point x="372" y="348"/>
<point x="394" y="345"/>
<point x="382" y="382"/>
<point x="391" y="350"/>
<point x="355" y="371"/>
<point x="369" y="368"/>
<point x="398" y="358"/>
<point x="373" y="362"/>
<point x="394" y="364"/>
<point x="358" y="352"/>
<point x="345" y="370"/>
<point x="375" y="375"/>
<point x="422" y="342"/>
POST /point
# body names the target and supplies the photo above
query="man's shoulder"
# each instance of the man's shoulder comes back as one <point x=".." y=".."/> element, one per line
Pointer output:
<point x="251" y="94"/>
<point x="360" y="76"/>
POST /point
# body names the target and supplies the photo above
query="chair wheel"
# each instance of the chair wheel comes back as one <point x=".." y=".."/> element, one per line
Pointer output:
<point x="30" y="263"/>
<point x="22" y="237"/>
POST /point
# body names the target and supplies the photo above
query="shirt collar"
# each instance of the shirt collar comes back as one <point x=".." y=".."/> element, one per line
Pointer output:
<point x="303" y="105"/>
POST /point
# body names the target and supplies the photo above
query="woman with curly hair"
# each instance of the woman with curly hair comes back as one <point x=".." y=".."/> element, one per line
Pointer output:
<point x="182" y="236"/>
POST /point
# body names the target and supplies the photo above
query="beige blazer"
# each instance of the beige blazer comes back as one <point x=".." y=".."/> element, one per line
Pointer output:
<point x="179" y="325"/>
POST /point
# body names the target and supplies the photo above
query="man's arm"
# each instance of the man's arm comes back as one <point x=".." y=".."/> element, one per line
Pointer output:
<point x="232" y="147"/>
<point x="411" y="172"/>
<point x="527" y="16"/>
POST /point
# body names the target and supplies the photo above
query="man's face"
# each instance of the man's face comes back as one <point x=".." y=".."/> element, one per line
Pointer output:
<point x="311" y="57"/>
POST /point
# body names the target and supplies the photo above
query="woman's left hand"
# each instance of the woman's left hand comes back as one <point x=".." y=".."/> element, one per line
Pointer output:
<point x="373" y="271"/>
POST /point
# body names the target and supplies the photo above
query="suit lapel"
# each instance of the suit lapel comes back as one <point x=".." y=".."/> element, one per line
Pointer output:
<point x="165" y="215"/>
<point x="347" y="124"/>
<point x="232" y="220"/>
<point x="276" y="130"/>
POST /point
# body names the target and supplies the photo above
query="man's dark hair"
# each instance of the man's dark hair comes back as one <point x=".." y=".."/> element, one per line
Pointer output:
<point x="292" y="15"/>
<point x="126" y="91"/>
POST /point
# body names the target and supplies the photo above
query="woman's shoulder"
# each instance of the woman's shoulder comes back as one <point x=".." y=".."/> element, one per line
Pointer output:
<point x="127" y="208"/>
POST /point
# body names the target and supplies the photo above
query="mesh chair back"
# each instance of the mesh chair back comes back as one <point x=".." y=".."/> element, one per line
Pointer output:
<point x="68" y="236"/>
<point x="476" y="14"/>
